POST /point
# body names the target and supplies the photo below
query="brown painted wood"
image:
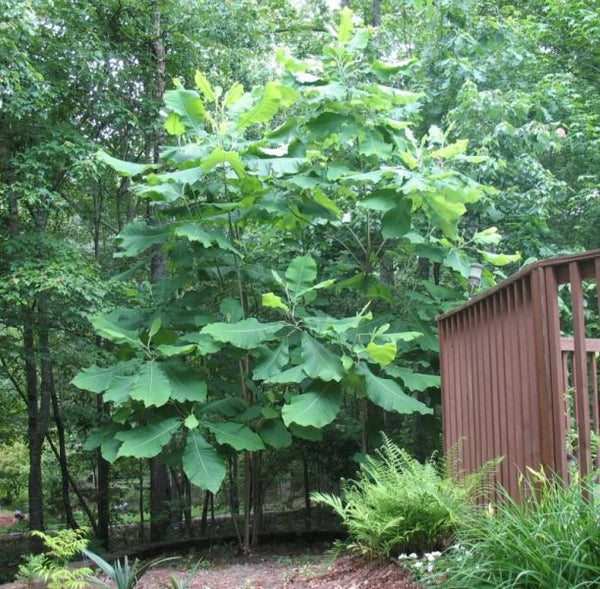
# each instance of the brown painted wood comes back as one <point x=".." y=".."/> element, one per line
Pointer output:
<point x="501" y="350"/>
<point x="580" y="372"/>
<point x="595" y="403"/>
<point x="558" y="390"/>
<point x="567" y="344"/>
<point x="510" y="366"/>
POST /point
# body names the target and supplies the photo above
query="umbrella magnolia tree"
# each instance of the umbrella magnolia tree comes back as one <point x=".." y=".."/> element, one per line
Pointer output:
<point x="224" y="353"/>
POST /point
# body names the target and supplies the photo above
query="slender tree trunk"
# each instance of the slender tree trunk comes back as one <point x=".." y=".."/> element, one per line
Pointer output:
<point x="376" y="13"/>
<point x="247" y="500"/>
<point x="75" y="488"/>
<point x="234" y="494"/>
<point x="159" y="481"/>
<point x="62" y="459"/>
<point x="257" y="496"/>
<point x="204" y="519"/>
<point x="306" y="479"/>
<point x="160" y="497"/>
<point x="141" y="531"/>
<point x="103" y="487"/>
<point x="187" y="509"/>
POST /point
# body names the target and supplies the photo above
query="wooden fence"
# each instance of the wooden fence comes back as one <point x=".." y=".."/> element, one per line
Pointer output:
<point x="515" y="385"/>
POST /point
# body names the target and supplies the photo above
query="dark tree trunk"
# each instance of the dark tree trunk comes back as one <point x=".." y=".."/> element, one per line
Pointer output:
<point x="204" y="519"/>
<point x="187" y="509"/>
<point x="159" y="477"/>
<point x="160" y="497"/>
<point x="234" y="494"/>
<point x="75" y="488"/>
<point x="376" y="13"/>
<point x="257" y="498"/>
<point x="306" y="480"/>
<point x="62" y="459"/>
<point x="141" y="531"/>
<point x="103" y="499"/>
<point x="424" y="266"/>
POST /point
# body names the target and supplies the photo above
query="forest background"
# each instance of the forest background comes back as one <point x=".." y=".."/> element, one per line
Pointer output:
<point x="227" y="229"/>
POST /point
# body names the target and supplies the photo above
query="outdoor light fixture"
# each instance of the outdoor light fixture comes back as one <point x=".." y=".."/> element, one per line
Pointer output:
<point x="474" y="277"/>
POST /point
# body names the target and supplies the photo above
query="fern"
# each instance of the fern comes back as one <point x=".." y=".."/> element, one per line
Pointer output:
<point x="399" y="504"/>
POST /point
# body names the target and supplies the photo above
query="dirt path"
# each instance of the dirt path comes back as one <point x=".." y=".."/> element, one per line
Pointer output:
<point x="276" y="566"/>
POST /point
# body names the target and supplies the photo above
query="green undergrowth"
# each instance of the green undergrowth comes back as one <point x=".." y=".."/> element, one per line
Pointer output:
<point x="398" y="504"/>
<point x="549" y="541"/>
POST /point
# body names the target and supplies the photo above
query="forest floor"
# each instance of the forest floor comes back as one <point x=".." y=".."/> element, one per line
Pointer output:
<point x="276" y="566"/>
<point x="306" y="562"/>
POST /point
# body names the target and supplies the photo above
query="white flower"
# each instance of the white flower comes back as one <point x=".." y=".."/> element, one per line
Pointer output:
<point x="402" y="556"/>
<point x="412" y="555"/>
<point x="346" y="218"/>
<point x="430" y="567"/>
<point x="418" y="564"/>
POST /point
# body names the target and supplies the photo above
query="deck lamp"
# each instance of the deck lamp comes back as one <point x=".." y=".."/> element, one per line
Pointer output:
<point x="474" y="277"/>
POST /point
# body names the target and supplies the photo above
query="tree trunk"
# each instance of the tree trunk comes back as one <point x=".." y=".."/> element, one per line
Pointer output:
<point x="257" y="498"/>
<point x="141" y="531"/>
<point x="62" y="459"/>
<point x="204" y="519"/>
<point x="160" y="497"/>
<point x="159" y="481"/>
<point x="75" y="488"/>
<point x="187" y="509"/>
<point x="306" y="479"/>
<point x="103" y="487"/>
<point x="376" y="13"/>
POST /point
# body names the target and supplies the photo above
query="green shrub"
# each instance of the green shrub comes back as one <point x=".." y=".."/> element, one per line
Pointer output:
<point x="399" y="504"/>
<point x="549" y="541"/>
<point x="53" y="566"/>
<point x="122" y="574"/>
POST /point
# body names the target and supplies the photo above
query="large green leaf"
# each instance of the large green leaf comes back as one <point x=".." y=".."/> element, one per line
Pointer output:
<point x="388" y="394"/>
<point x="246" y="334"/>
<point x="236" y="435"/>
<point x="138" y="236"/>
<point x="148" y="440"/>
<point x="204" y="86"/>
<point x="414" y="380"/>
<point x="277" y="166"/>
<point x="272" y="361"/>
<point x="108" y="326"/>
<point x="122" y="167"/>
<point x="152" y="385"/>
<point x="317" y="407"/>
<point x="276" y="434"/>
<point x="186" y="383"/>
<point x="295" y="374"/>
<point x="265" y="109"/>
<point x="381" y="200"/>
<point x="119" y="390"/>
<point x="202" y="464"/>
<point x="397" y="221"/>
<point x="195" y="232"/>
<point x="219" y="156"/>
<point x="97" y="378"/>
<point x="100" y="434"/>
<point x="318" y="361"/>
<point x="188" y="105"/>
<point x="383" y="354"/>
<point x="301" y="274"/>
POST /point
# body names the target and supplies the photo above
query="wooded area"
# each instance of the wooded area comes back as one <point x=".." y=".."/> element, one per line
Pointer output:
<point x="227" y="228"/>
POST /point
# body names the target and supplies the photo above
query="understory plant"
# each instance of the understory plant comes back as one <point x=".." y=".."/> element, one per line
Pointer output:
<point x="122" y="574"/>
<point x="52" y="567"/>
<point x="549" y="540"/>
<point x="398" y="504"/>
